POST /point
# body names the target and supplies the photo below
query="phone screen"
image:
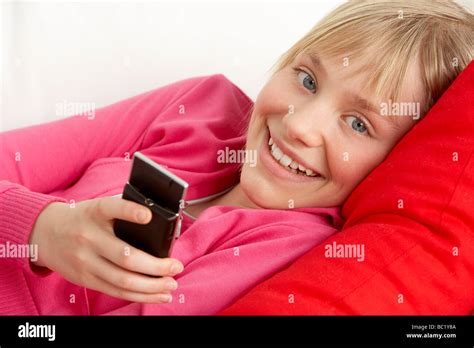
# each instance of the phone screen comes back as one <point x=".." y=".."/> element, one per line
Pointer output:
<point x="159" y="184"/>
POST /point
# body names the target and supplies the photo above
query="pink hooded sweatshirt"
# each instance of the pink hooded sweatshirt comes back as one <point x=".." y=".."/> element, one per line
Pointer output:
<point x="226" y="251"/>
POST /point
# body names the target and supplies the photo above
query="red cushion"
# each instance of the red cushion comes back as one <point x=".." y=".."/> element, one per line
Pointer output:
<point x="414" y="215"/>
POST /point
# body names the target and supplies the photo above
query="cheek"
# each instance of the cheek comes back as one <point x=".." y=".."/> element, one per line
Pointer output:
<point x="274" y="99"/>
<point x="272" y="102"/>
<point x="350" y="167"/>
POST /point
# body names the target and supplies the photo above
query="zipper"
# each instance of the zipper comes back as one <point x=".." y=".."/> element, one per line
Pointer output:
<point x="186" y="204"/>
<point x="201" y="200"/>
<point x="207" y="198"/>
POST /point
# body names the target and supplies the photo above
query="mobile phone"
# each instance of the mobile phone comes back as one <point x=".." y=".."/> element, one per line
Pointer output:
<point x="155" y="187"/>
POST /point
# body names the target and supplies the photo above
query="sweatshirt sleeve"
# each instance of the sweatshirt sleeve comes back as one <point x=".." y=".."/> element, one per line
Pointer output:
<point x="39" y="159"/>
<point x="19" y="209"/>
<point x="53" y="155"/>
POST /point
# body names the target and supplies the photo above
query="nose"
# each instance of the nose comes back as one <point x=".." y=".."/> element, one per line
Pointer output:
<point x="308" y="124"/>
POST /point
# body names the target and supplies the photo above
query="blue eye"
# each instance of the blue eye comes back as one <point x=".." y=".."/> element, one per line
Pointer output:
<point x="356" y="124"/>
<point x="307" y="81"/>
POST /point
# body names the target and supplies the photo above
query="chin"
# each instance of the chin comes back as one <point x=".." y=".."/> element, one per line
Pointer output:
<point x="262" y="193"/>
<point x="255" y="188"/>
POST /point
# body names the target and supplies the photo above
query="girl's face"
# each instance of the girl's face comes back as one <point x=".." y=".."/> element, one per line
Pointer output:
<point x="318" y="118"/>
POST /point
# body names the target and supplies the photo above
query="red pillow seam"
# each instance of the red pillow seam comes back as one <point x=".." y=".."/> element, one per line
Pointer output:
<point x="454" y="191"/>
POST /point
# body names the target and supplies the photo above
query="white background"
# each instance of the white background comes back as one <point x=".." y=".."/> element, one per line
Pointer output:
<point x="102" y="51"/>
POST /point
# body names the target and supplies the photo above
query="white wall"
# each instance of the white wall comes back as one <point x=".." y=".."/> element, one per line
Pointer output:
<point x="102" y="51"/>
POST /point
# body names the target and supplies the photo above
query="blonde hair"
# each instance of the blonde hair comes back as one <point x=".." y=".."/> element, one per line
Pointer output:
<point x="440" y="34"/>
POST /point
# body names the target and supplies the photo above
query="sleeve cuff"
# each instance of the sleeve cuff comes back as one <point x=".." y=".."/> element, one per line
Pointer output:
<point x="19" y="210"/>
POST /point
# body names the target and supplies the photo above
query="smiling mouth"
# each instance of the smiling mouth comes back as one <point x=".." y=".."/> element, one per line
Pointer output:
<point x="288" y="163"/>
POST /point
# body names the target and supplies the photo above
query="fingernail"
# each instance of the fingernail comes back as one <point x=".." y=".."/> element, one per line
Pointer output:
<point x="176" y="268"/>
<point x="171" y="285"/>
<point x="141" y="215"/>
<point x="166" y="298"/>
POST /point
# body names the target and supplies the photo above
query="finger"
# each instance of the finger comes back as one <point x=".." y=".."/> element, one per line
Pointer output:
<point x="109" y="289"/>
<point x="110" y="208"/>
<point x="127" y="280"/>
<point x="130" y="258"/>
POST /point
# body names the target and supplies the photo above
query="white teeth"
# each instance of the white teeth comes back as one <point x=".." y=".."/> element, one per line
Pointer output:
<point x="286" y="160"/>
<point x="277" y="153"/>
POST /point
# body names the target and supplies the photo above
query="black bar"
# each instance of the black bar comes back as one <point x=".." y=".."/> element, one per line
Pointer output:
<point x="224" y="330"/>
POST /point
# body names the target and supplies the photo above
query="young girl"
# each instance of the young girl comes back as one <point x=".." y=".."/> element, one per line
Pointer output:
<point x="336" y="104"/>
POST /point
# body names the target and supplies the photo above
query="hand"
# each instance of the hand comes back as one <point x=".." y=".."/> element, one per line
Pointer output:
<point x="79" y="243"/>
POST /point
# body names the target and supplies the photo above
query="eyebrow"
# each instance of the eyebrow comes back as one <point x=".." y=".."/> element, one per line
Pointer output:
<point x="358" y="100"/>
<point x="317" y="62"/>
<point x="363" y="103"/>
<point x="366" y="105"/>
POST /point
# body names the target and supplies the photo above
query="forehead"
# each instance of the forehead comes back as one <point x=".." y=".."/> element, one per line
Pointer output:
<point x="352" y="71"/>
<point x="346" y="76"/>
